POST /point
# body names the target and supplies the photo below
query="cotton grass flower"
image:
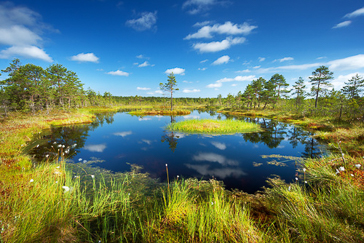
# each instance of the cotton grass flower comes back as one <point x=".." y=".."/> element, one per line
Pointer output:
<point x="358" y="166"/>
<point x="66" y="188"/>
<point x="92" y="176"/>
<point x="341" y="168"/>
<point x="79" y="159"/>
<point x="304" y="169"/>
<point x="31" y="180"/>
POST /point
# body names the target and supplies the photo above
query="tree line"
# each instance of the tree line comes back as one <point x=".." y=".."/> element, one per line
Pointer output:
<point x="320" y="100"/>
<point x="31" y="88"/>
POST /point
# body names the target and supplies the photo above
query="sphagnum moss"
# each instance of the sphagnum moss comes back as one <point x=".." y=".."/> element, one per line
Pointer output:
<point x="209" y="126"/>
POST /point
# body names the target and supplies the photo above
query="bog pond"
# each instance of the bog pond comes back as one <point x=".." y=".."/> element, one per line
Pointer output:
<point x="242" y="161"/>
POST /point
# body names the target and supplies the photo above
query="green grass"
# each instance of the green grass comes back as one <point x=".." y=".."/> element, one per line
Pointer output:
<point x="159" y="112"/>
<point x="133" y="207"/>
<point x="209" y="126"/>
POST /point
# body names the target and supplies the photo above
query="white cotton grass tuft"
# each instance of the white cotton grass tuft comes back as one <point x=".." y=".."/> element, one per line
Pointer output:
<point x="341" y="168"/>
<point x="304" y="169"/>
<point x="358" y="166"/>
<point x="31" y="180"/>
<point x="80" y="159"/>
<point x="92" y="176"/>
<point x="66" y="188"/>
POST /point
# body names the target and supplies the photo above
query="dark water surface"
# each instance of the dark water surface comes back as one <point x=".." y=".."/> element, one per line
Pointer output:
<point x="238" y="159"/>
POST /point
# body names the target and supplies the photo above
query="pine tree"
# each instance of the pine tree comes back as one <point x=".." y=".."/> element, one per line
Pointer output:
<point x="170" y="86"/>
<point x="320" y="81"/>
<point x="354" y="87"/>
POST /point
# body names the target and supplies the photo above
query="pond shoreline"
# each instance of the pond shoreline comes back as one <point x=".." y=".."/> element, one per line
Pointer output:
<point x="266" y="208"/>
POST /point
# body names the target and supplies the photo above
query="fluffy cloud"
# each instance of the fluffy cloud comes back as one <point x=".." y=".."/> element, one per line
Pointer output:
<point x="221" y="60"/>
<point x="342" y="24"/>
<point x="261" y="59"/>
<point x="145" y="64"/>
<point x="147" y="21"/>
<point x="339" y="82"/>
<point x="176" y="71"/>
<point x="85" y="57"/>
<point x="216" y="46"/>
<point x="215" y="85"/>
<point x="349" y="63"/>
<point x="25" y="51"/>
<point x="284" y="59"/>
<point x="219" y="82"/>
<point x="228" y="28"/>
<point x="21" y="29"/>
<point x="191" y="91"/>
<point x="18" y="35"/>
<point x="237" y="78"/>
<point x="356" y="13"/>
<point x="119" y="73"/>
<point x="198" y="6"/>
<point x="142" y="88"/>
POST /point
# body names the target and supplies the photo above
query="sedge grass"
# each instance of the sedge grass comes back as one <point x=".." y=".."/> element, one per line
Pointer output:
<point x="209" y="126"/>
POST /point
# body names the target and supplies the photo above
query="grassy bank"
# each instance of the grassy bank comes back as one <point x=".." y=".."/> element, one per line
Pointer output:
<point x="159" y="112"/>
<point x="327" y="129"/>
<point x="209" y="126"/>
<point x="60" y="202"/>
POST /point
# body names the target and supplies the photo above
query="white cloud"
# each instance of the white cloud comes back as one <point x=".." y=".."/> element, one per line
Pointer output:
<point x="203" y="61"/>
<point x="142" y="57"/>
<point x="220" y="172"/>
<point x="221" y="146"/>
<point x="216" y="46"/>
<point x="145" y="22"/>
<point x="142" y="88"/>
<point x="339" y="82"/>
<point x="227" y="28"/>
<point x="244" y="71"/>
<point x="191" y="91"/>
<point x="158" y="92"/>
<point x="356" y="13"/>
<point x="18" y="35"/>
<point x="284" y="59"/>
<point x="95" y="147"/>
<point x="123" y="134"/>
<point x="145" y="64"/>
<point x="119" y="73"/>
<point x="349" y="63"/>
<point x="21" y="29"/>
<point x="85" y="57"/>
<point x="176" y="71"/>
<point x="202" y="69"/>
<point x="200" y="24"/>
<point x="256" y="67"/>
<point x="215" y="85"/>
<point x="213" y="157"/>
<point x="234" y="85"/>
<point x="342" y="24"/>
<point x="197" y="6"/>
<point x="187" y="82"/>
<point x="25" y="51"/>
<point x="221" y="60"/>
<point x="237" y="78"/>
<point x="261" y="59"/>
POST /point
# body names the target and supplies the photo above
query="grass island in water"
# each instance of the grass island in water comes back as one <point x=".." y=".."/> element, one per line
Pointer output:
<point x="211" y="126"/>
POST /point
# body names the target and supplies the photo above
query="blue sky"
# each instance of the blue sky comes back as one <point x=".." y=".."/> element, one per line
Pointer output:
<point x="212" y="46"/>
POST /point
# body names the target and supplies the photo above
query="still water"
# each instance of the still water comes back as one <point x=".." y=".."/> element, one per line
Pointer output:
<point x="242" y="161"/>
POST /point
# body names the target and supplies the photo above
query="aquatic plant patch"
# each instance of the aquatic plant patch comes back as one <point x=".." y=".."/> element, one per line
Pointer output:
<point x="211" y="126"/>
